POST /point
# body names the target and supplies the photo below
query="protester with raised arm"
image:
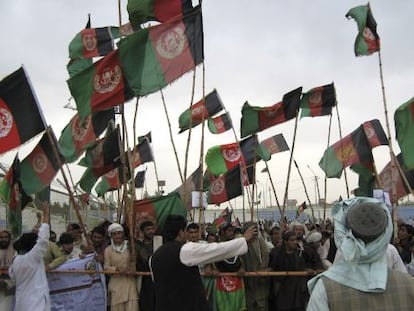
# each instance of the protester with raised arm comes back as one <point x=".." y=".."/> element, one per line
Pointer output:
<point x="28" y="269"/>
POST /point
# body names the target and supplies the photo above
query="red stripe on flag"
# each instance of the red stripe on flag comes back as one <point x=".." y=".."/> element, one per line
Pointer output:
<point x="163" y="11"/>
<point x="41" y="165"/>
<point x="372" y="136"/>
<point x="198" y="112"/>
<point x="82" y="135"/>
<point x="232" y="155"/>
<point x="229" y="283"/>
<point x="9" y="134"/>
<point x="270" y="116"/>
<point x="346" y="151"/>
<point x="108" y="83"/>
<point x="89" y="42"/>
<point x="316" y="101"/>
<point x="171" y="47"/>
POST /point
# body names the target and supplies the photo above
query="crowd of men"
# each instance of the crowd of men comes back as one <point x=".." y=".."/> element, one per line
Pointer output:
<point x="349" y="257"/>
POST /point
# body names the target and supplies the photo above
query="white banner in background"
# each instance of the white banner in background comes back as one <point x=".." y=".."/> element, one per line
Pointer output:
<point x="78" y="291"/>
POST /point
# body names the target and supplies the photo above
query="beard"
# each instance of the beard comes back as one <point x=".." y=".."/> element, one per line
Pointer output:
<point x="4" y="244"/>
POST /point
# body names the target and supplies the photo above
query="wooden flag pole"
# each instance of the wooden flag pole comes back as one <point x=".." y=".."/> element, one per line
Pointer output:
<point x="274" y="190"/>
<point x="254" y="200"/>
<point x="201" y="160"/>
<point x="394" y="162"/>
<point x="171" y="137"/>
<point x="290" y="163"/>
<point x="243" y="165"/>
<point x="125" y="143"/>
<point x="306" y="191"/>
<point x="187" y="148"/>
<point x="340" y="137"/>
<point x="326" y="178"/>
<point x="71" y="197"/>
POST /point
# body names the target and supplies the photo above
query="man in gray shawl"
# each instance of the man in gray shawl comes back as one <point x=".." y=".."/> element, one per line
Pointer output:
<point x="360" y="279"/>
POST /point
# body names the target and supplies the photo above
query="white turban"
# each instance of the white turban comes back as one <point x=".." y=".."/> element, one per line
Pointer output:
<point x="314" y="237"/>
<point x="115" y="227"/>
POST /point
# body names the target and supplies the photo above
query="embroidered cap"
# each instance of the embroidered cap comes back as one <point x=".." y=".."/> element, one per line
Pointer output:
<point x="367" y="221"/>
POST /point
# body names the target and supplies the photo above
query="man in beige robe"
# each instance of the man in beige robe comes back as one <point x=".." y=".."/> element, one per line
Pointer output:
<point x="122" y="288"/>
<point x="7" y="287"/>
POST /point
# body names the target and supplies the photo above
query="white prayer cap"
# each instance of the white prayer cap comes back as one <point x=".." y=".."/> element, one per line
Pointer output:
<point x="314" y="237"/>
<point x="115" y="227"/>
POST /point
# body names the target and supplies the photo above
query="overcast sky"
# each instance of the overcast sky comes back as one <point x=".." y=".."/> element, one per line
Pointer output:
<point x="255" y="51"/>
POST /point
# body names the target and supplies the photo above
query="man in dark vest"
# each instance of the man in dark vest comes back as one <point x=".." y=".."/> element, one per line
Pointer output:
<point x="360" y="278"/>
<point x="174" y="266"/>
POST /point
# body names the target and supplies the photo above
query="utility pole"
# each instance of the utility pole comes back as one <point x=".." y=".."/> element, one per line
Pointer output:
<point x="317" y="192"/>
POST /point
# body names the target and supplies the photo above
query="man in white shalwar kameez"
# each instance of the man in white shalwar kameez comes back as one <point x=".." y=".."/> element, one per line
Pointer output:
<point x="28" y="269"/>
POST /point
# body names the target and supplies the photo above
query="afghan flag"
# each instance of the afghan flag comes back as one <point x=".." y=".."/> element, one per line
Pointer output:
<point x="141" y="11"/>
<point x="220" y="124"/>
<point x="100" y="86"/>
<point x="353" y="148"/>
<point x="221" y="158"/>
<point x="225" y="187"/>
<point x="318" y="101"/>
<point x="10" y="188"/>
<point x="404" y="127"/>
<point x="77" y="135"/>
<point x="192" y="183"/>
<point x="93" y="42"/>
<point x="157" y="209"/>
<point x="78" y="65"/>
<point x="229" y="293"/>
<point x="248" y="175"/>
<point x="375" y="133"/>
<point x="224" y="217"/>
<point x="39" y="168"/>
<point x="200" y="111"/>
<point x="301" y="209"/>
<point x="368" y="40"/>
<point x="366" y="180"/>
<point x="387" y="179"/>
<point x="271" y="146"/>
<point x="100" y="159"/>
<point x="256" y="119"/>
<point x="110" y="181"/>
<point x="155" y="56"/>
<point x="145" y="137"/>
<point x="139" y="179"/>
<point x="142" y="153"/>
<point x="20" y="114"/>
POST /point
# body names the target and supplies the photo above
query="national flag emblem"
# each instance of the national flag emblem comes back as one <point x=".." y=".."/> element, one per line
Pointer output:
<point x="200" y="111"/>
<point x="222" y="158"/>
<point x="100" y="86"/>
<point x="220" y="124"/>
<point x="256" y="119"/>
<point x="156" y="56"/>
<point x="225" y="187"/>
<point x="375" y="133"/>
<point x="20" y="114"/>
<point x="272" y="145"/>
<point x="367" y="40"/>
<point x="77" y="135"/>
<point x="39" y="168"/>
<point x="318" y="101"/>
<point x="353" y="148"/>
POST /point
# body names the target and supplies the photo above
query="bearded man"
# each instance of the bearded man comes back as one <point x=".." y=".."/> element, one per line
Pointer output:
<point x="7" y="287"/>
